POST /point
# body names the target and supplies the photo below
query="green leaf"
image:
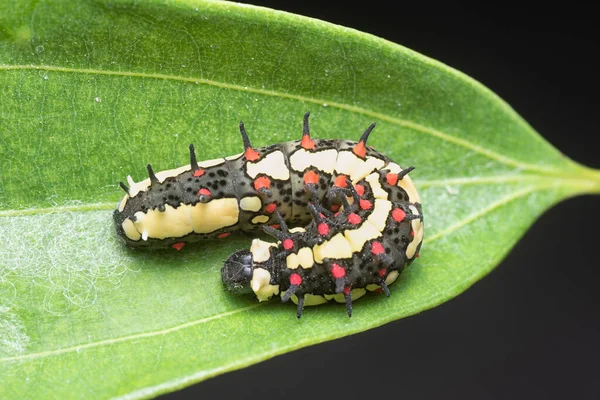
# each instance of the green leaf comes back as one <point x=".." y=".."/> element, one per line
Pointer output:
<point x="92" y="91"/>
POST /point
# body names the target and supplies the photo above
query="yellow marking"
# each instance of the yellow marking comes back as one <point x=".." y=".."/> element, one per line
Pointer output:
<point x="378" y="191"/>
<point x="310" y="299"/>
<point x="355" y="167"/>
<point x="354" y="293"/>
<point x="299" y="229"/>
<point x="130" y="230"/>
<point x="185" y="219"/>
<point x="323" y="160"/>
<point x="407" y="184"/>
<point x="251" y="203"/>
<point x="336" y="247"/>
<point x="292" y="261"/>
<point x="261" y="250"/>
<point x="379" y="216"/>
<point x="272" y="164"/>
<point x="260" y="219"/>
<point x="391" y="278"/>
<point x="372" y="287"/>
<point x="417" y="227"/>
<point x="305" y="257"/>
<point x="358" y="237"/>
<point x="261" y="284"/>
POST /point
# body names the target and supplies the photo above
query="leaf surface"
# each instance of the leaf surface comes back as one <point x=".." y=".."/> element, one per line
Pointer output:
<point x="92" y="91"/>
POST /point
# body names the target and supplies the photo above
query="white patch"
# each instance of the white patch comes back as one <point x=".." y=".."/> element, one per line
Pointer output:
<point x="354" y="293"/>
<point x="372" y="287"/>
<point x="251" y="203"/>
<point x="310" y="299"/>
<point x="261" y="285"/>
<point x="336" y="247"/>
<point x="417" y="226"/>
<point x="260" y="219"/>
<point x="185" y="219"/>
<point x="323" y="160"/>
<point x="355" y="167"/>
<point x="272" y="164"/>
<point x="295" y="230"/>
<point x="358" y="237"/>
<point x="123" y="202"/>
<point x="292" y="261"/>
<point x="305" y="257"/>
<point x="261" y="250"/>
<point x="391" y="278"/>
<point x="130" y="230"/>
<point x="380" y="214"/>
<point x="378" y="191"/>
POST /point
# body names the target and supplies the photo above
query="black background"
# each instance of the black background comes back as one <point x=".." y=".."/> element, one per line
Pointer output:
<point x="531" y="328"/>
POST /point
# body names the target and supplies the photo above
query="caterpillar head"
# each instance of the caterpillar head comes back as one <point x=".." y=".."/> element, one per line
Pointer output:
<point x="237" y="272"/>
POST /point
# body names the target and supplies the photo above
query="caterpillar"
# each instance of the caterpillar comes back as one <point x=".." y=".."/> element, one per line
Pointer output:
<point x="365" y="221"/>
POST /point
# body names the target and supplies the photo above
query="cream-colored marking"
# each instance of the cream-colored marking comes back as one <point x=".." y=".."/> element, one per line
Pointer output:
<point x="305" y="255"/>
<point x="185" y="219"/>
<point x="380" y="214"/>
<point x="260" y="219"/>
<point x="123" y="202"/>
<point x="310" y="299"/>
<point x="336" y="247"/>
<point x="251" y="203"/>
<point x="393" y="167"/>
<point x="130" y="230"/>
<point x="378" y="191"/>
<point x="372" y="287"/>
<point x="234" y="157"/>
<point x="407" y="184"/>
<point x="299" y="229"/>
<point x="130" y="180"/>
<point x="261" y="250"/>
<point x="417" y="227"/>
<point x="356" y="168"/>
<point x="358" y="237"/>
<point x="261" y="284"/>
<point x="323" y="160"/>
<point x="354" y="293"/>
<point x="292" y="261"/>
<point x="272" y="164"/>
<point x="391" y="278"/>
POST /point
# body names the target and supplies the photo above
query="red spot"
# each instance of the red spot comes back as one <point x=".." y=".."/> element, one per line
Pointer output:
<point x="262" y="182"/>
<point x="380" y="290"/>
<point x="391" y="178"/>
<point x="341" y="181"/>
<point x="288" y="244"/>
<point x="322" y="215"/>
<point x="178" y="246"/>
<point x="347" y="289"/>
<point x="307" y="142"/>
<point x="365" y="204"/>
<point x="382" y="272"/>
<point x="335" y="207"/>
<point x="295" y="279"/>
<point x="223" y="235"/>
<point x="398" y="214"/>
<point x="198" y="172"/>
<point x="251" y="154"/>
<point x="275" y="226"/>
<point x="323" y="229"/>
<point x="360" y="189"/>
<point x="360" y="150"/>
<point x="336" y="214"/>
<point x="311" y="177"/>
<point x="337" y="271"/>
<point x="204" y="192"/>
<point x="377" y="248"/>
<point x="270" y="208"/>
<point x="417" y="255"/>
<point x="412" y="233"/>
<point x="354" y="219"/>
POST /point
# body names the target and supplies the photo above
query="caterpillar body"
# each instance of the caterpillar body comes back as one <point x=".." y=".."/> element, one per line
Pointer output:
<point x="365" y="222"/>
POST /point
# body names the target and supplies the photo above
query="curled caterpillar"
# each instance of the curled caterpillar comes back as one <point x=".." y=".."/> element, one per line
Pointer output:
<point x="364" y="212"/>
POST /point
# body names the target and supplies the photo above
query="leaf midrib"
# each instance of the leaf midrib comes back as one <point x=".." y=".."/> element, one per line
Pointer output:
<point x="460" y="224"/>
<point x="355" y="109"/>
